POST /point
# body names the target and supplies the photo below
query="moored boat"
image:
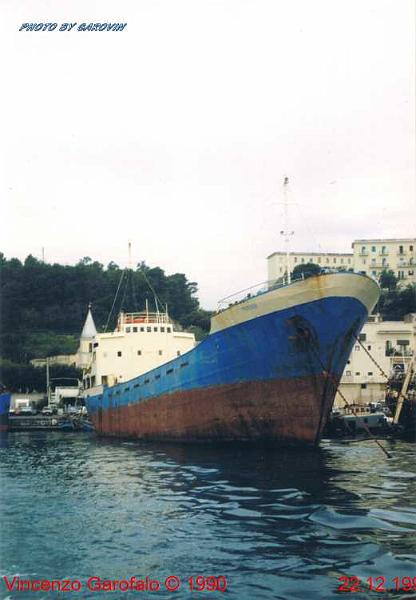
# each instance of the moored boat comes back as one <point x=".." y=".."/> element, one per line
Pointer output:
<point x="4" y="410"/>
<point x="267" y="371"/>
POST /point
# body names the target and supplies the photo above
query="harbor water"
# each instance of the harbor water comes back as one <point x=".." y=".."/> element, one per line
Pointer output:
<point x="273" y="523"/>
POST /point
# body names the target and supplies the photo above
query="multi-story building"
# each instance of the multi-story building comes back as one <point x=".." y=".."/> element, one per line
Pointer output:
<point x="370" y="256"/>
<point x="376" y="255"/>
<point x="391" y="344"/>
<point x="277" y="262"/>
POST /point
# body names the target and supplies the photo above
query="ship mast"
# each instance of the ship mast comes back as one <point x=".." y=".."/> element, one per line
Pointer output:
<point x="285" y="232"/>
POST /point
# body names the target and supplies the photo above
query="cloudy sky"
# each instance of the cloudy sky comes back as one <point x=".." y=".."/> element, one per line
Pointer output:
<point x="177" y="132"/>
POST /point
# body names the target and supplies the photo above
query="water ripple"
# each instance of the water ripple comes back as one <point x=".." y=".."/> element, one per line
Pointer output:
<point x="277" y="524"/>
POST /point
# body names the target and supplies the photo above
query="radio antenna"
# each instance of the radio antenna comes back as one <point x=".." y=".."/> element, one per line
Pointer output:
<point x="285" y="232"/>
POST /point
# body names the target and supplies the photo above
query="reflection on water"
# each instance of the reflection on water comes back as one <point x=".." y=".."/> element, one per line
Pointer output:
<point x="277" y="524"/>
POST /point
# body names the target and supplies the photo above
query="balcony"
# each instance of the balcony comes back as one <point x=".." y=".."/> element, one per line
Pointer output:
<point x="398" y="352"/>
<point x="363" y="253"/>
<point x="401" y="253"/>
<point x="383" y="253"/>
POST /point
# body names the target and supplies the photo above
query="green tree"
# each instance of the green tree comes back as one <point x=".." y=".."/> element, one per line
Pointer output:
<point x="306" y="270"/>
<point x="395" y="304"/>
<point x="388" y="280"/>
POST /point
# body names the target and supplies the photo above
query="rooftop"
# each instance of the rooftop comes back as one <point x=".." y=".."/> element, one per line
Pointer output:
<point x="311" y="254"/>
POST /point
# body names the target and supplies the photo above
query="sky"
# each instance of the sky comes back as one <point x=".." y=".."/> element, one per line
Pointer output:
<point x="177" y="132"/>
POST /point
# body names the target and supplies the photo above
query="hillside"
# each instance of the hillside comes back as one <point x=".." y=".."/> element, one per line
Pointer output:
<point x="43" y="306"/>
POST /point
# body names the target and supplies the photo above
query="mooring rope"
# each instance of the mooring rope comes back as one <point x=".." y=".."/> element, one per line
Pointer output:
<point x="327" y="374"/>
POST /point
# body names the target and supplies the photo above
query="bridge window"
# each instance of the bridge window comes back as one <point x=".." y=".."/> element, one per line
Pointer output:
<point x="119" y="353"/>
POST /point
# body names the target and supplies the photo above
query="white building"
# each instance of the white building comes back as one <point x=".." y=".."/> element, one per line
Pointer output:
<point x="370" y="256"/>
<point x="277" y="262"/>
<point x="392" y="344"/>
<point x="88" y="334"/>
<point x="373" y="256"/>
<point x="141" y="342"/>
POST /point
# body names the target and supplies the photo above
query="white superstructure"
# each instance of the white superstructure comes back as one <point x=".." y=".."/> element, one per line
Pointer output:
<point x="140" y="342"/>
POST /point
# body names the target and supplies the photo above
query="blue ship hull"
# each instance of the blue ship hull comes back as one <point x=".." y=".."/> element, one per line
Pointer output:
<point x="272" y="376"/>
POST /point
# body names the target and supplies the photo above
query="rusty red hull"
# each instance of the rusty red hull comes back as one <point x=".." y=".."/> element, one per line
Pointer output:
<point x="283" y="411"/>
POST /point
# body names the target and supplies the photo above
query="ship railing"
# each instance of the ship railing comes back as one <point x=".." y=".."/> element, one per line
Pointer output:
<point x="273" y="284"/>
<point x="256" y="290"/>
<point x="143" y="317"/>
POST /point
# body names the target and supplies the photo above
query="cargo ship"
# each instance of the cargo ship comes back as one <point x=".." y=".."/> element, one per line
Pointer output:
<point x="4" y="410"/>
<point x="268" y="370"/>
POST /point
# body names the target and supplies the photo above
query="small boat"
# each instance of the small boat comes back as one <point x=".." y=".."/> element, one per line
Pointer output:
<point x="4" y="409"/>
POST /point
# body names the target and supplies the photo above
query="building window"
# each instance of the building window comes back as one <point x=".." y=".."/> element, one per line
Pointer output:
<point x="363" y="261"/>
<point x="383" y="250"/>
<point x="349" y="261"/>
<point x="358" y="373"/>
<point x="168" y="329"/>
<point x="362" y="337"/>
<point x="134" y="329"/>
<point x="411" y="248"/>
<point x="348" y="373"/>
<point x="296" y="259"/>
<point x="119" y="353"/>
<point x="357" y="348"/>
<point x="373" y="248"/>
<point x="327" y="260"/>
<point x="178" y="353"/>
<point x="89" y="347"/>
<point x="141" y="329"/>
<point x="374" y="273"/>
<point x="368" y="347"/>
<point x="400" y="249"/>
<point x="335" y="260"/>
<point x="342" y="261"/>
<point x="160" y="352"/>
<point x="162" y="329"/>
<point x="148" y="329"/>
<point x="139" y="352"/>
<point x="370" y="373"/>
<point x="128" y="329"/>
<point x="362" y="249"/>
<point x="302" y="260"/>
<point x="363" y="387"/>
